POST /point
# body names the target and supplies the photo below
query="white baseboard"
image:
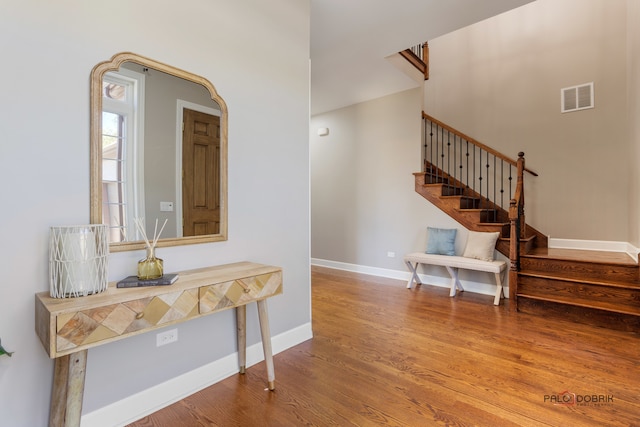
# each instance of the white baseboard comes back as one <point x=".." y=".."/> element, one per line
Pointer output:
<point x="595" y="245"/>
<point x="356" y="268"/>
<point x="473" y="281"/>
<point x="155" y="398"/>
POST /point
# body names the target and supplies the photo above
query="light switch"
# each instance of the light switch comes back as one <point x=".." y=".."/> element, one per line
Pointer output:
<point x="166" y="206"/>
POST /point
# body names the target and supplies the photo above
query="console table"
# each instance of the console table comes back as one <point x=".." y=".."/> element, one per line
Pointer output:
<point x="68" y="327"/>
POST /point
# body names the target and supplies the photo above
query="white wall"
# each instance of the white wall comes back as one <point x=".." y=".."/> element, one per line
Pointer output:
<point x="633" y="117"/>
<point x="499" y="81"/>
<point x="363" y="201"/>
<point x="361" y="181"/>
<point x="48" y="51"/>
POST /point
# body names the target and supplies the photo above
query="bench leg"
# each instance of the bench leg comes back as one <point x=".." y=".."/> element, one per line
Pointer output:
<point x="455" y="283"/>
<point x="499" y="291"/>
<point x="414" y="274"/>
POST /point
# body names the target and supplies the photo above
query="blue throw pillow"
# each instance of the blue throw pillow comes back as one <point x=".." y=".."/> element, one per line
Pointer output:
<point x="441" y="241"/>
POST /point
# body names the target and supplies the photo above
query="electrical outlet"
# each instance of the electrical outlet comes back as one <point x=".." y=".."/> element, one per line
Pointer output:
<point x="391" y="254"/>
<point x="166" y="337"/>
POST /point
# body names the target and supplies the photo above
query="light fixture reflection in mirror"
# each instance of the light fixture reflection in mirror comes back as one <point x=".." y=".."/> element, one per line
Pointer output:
<point x="158" y="150"/>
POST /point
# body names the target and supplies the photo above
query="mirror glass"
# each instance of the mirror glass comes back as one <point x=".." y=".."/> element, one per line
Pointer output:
<point x="158" y="153"/>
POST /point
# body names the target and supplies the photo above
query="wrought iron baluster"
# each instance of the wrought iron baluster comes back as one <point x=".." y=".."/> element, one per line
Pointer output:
<point x="431" y="153"/>
<point x="435" y="163"/>
<point x="474" y="168"/>
<point x="502" y="183"/>
<point x="480" y="177"/>
<point x="425" y="125"/>
<point x="510" y="182"/>
<point x="487" y="183"/>
<point x="495" y="169"/>
<point x="441" y="158"/>
<point x="455" y="180"/>
<point x="448" y="153"/>
<point x="467" y="180"/>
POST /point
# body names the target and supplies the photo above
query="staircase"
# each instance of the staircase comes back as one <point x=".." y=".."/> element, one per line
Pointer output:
<point x="601" y="288"/>
<point x="474" y="184"/>
<point x="471" y="209"/>
<point x="418" y="56"/>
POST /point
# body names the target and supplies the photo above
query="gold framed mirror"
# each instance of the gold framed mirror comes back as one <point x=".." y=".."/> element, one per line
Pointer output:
<point x="158" y="152"/>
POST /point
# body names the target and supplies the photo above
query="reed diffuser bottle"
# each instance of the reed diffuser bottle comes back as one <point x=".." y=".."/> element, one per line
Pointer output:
<point x="151" y="267"/>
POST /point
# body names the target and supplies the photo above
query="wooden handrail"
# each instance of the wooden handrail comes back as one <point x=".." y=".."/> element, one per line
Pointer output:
<point x="475" y="142"/>
<point x="414" y="60"/>
<point x="418" y="56"/>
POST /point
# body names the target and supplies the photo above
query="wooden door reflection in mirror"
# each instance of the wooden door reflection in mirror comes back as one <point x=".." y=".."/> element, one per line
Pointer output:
<point x="158" y="150"/>
<point x="200" y="173"/>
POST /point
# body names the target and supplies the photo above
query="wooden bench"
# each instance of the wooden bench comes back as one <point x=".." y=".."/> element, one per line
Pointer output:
<point x="453" y="264"/>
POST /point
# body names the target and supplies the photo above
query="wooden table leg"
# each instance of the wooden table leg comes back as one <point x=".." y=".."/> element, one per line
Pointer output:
<point x="241" y="321"/>
<point x="59" y="392"/>
<point x="68" y="390"/>
<point x="266" y="343"/>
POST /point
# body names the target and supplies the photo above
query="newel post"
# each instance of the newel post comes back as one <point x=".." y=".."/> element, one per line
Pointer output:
<point x="514" y="254"/>
<point x="517" y="232"/>
<point x="520" y="190"/>
<point x="425" y="59"/>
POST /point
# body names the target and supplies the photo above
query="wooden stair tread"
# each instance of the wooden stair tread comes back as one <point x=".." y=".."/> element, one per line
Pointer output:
<point x="459" y="196"/>
<point x="507" y="239"/>
<point x="474" y="209"/>
<point x="441" y="184"/>
<point x="614" y="308"/>
<point x="578" y="255"/>
<point x="588" y="281"/>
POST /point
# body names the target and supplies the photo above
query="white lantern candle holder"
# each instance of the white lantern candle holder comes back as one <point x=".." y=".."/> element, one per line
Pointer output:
<point x="78" y="257"/>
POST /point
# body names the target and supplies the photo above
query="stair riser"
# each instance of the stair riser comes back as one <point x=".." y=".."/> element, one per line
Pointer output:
<point x="448" y="190"/>
<point x="576" y="269"/>
<point x="566" y="314"/>
<point x="479" y="216"/>
<point x="500" y="228"/>
<point x="439" y="189"/>
<point x="525" y="245"/>
<point x="596" y="296"/>
<point x="489" y="216"/>
<point x="528" y="245"/>
<point x="435" y="178"/>
<point x="473" y="203"/>
<point x="466" y="203"/>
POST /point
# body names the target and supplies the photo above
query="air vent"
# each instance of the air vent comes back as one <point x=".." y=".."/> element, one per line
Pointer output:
<point x="576" y="98"/>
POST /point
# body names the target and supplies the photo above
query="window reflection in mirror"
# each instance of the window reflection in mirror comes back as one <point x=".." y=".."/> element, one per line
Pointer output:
<point x="158" y="152"/>
<point x="122" y="121"/>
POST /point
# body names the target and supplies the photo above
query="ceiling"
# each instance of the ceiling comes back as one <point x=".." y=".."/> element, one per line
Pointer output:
<point x="350" y="40"/>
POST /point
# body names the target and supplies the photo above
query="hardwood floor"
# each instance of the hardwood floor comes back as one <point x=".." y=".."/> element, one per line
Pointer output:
<point x="385" y="355"/>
